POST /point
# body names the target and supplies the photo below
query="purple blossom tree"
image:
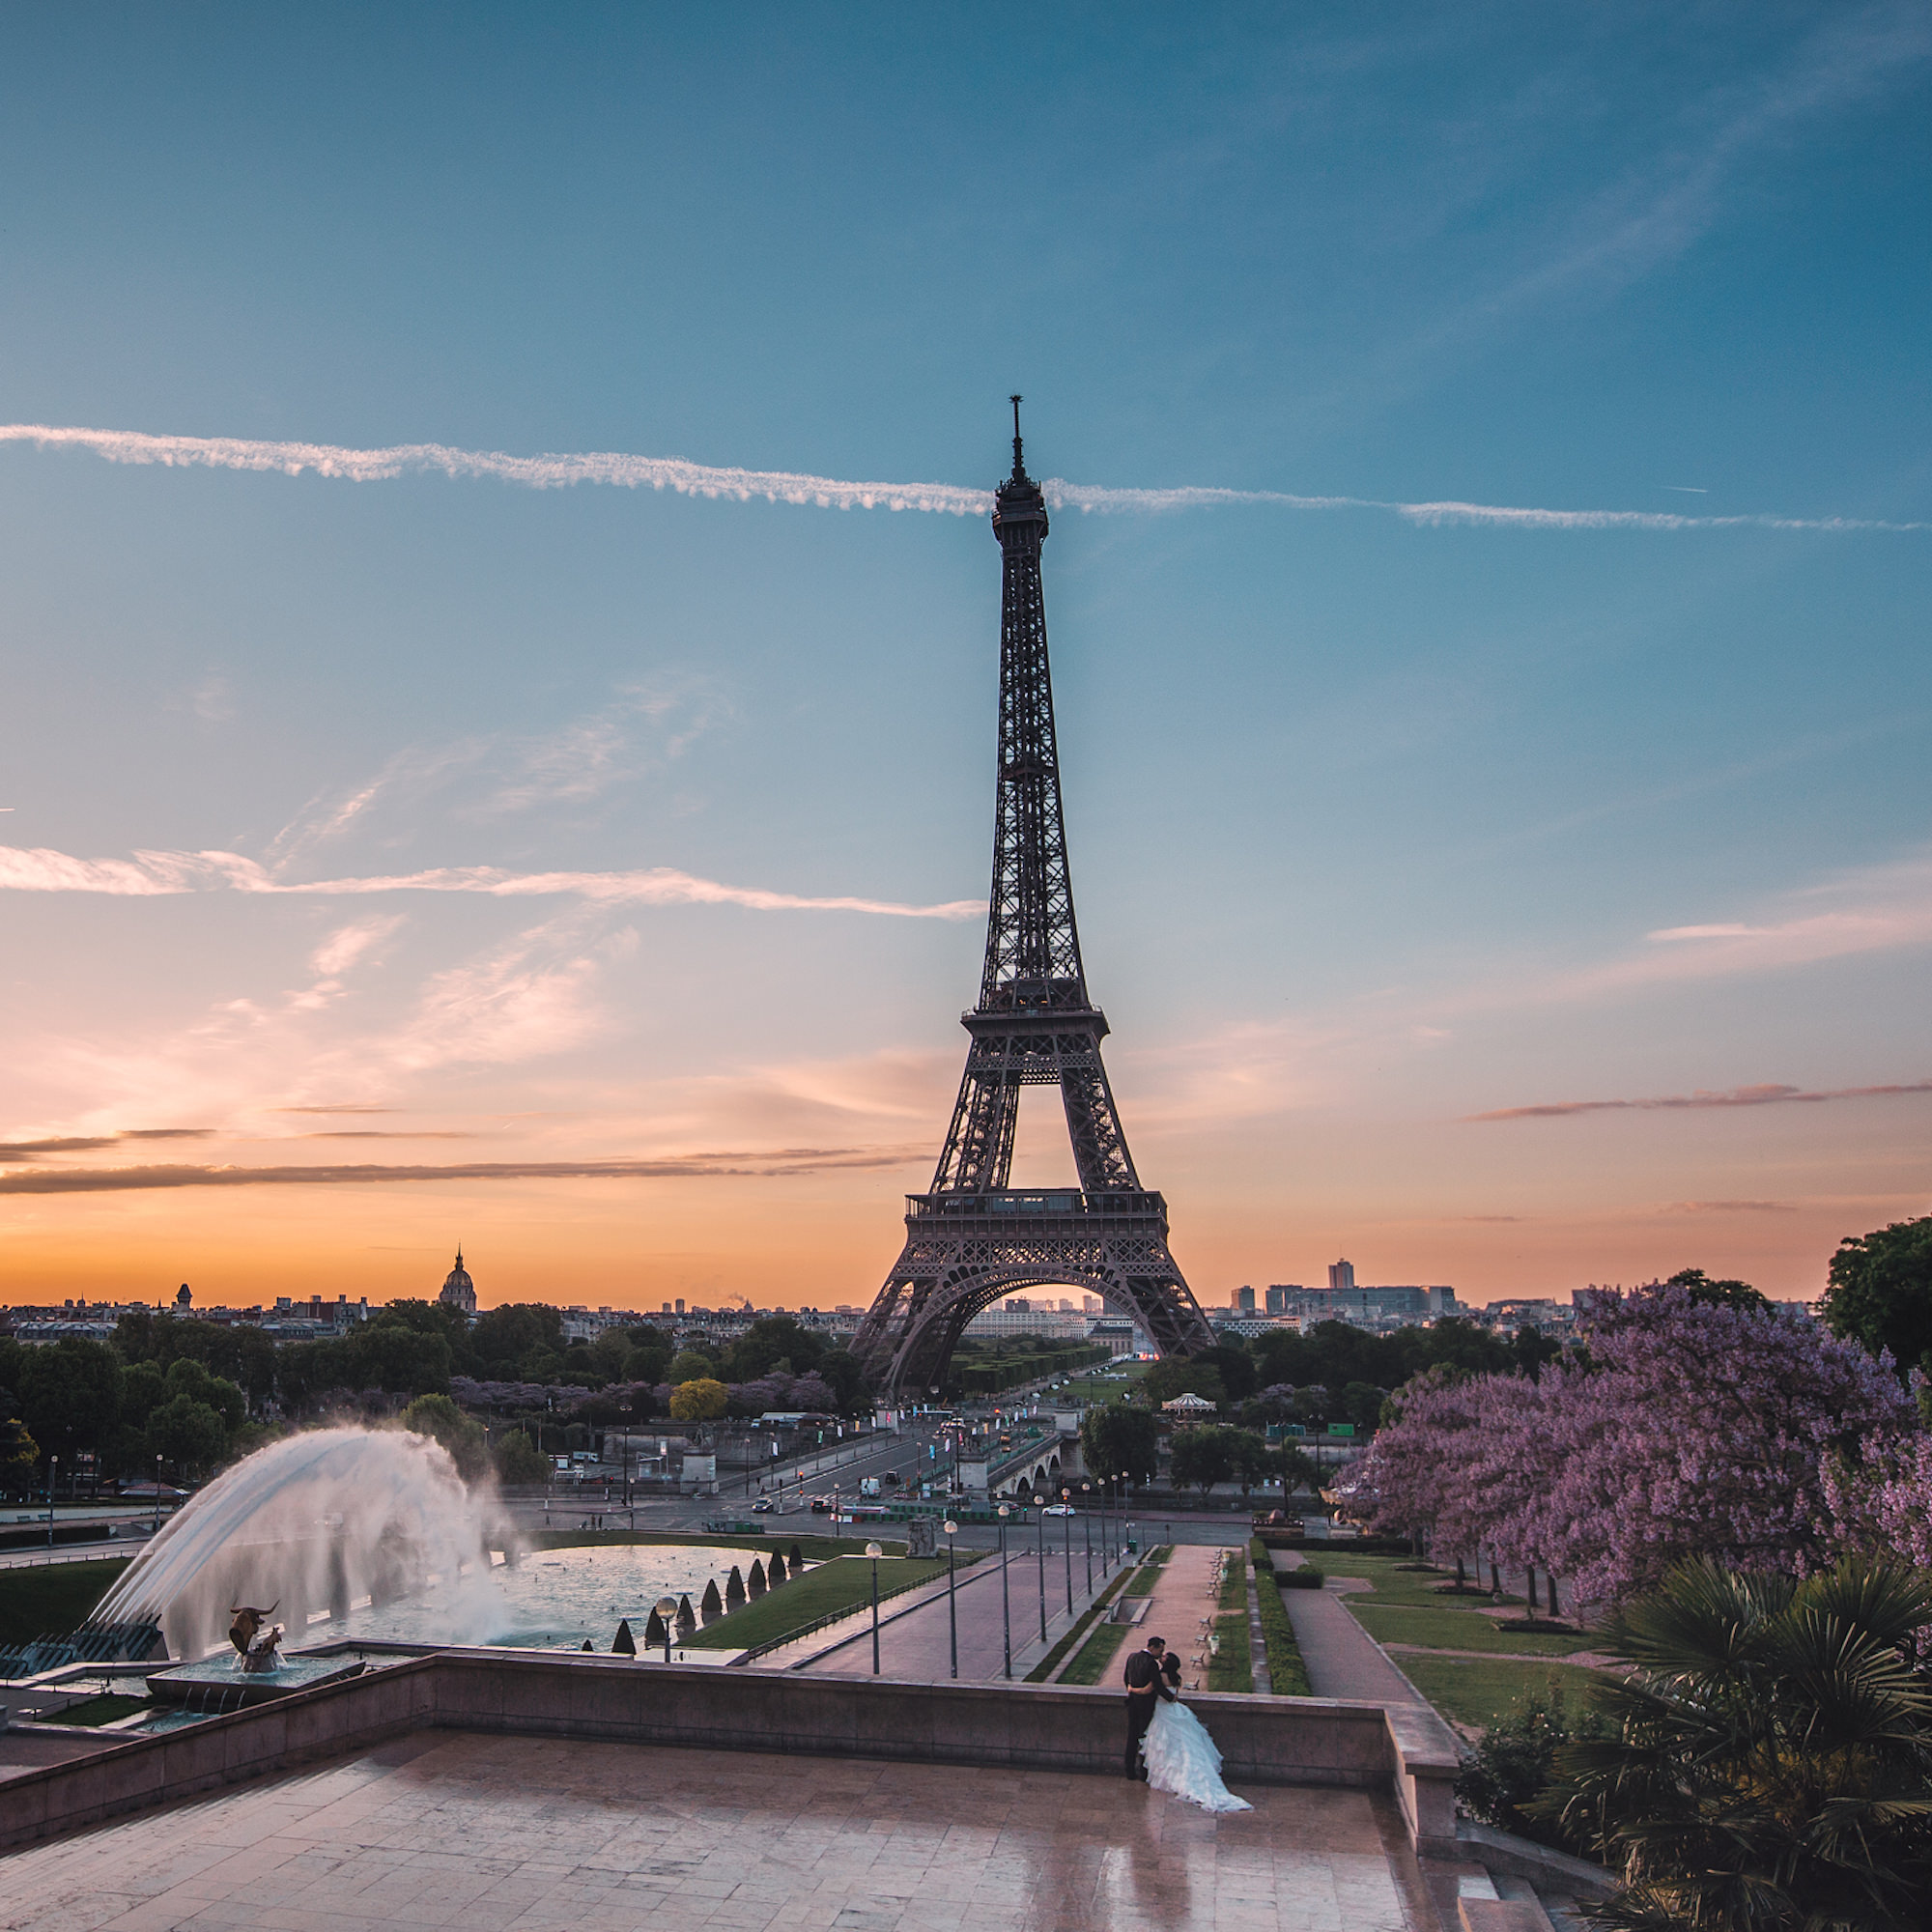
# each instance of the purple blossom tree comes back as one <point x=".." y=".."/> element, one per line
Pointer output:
<point x="1690" y="1428"/>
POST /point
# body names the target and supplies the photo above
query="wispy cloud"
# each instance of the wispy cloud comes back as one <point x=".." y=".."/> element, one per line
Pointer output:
<point x="1728" y="1207"/>
<point x="92" y="1142"/>
<point x="156" y="874"/>
<point x="776" y="1165"/>
<point x="1767" y="1095"/>
<point x="560" y="471"/>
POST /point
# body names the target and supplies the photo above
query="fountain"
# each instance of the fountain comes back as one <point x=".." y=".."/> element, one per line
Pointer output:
<point x="313" y="1524"/>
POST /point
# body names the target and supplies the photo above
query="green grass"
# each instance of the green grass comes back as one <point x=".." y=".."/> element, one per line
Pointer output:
<point x="814" y="1549"/>
<point x="1455" y="1630"/>
<point x="1095" y="1654"/>
<point x="1478" y="1693"/>
<point x="831" y="1589"/>
<point x="102" y="1710"/>
<point x="1231" y="1667"/>
<point x="1050" y="1662"/>
<point x="52" y="1600"/>
<point x="1234" y="1583"/>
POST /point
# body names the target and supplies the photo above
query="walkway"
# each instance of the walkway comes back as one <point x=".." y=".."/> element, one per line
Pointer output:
<point x="1343" y="1660"/>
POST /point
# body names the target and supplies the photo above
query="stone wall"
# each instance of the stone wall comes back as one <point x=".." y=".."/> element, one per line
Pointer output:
<point x="1264" y="1740"/>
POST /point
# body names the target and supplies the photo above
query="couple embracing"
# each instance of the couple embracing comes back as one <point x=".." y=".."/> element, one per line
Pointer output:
<point x="1168" y="1747"/>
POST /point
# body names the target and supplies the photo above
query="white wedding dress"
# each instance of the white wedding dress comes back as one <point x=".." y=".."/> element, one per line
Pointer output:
<point x="1184" y="1759"/>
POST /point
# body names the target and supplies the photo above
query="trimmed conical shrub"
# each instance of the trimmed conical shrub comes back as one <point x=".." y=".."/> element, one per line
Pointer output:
<point x="711" y="1606"/>
<point x="687" y="1618"/>
<point x="797" y="1559"/>
<point x="626" y="1644"/>
<point x="734" y="1589"/>
<point x="654" y="1632"/>
<point x="754" y="1583"/>
<point x="774" y="1568"/>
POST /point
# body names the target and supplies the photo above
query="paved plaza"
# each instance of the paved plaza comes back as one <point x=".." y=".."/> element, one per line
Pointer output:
<point x="490" y="1833"/>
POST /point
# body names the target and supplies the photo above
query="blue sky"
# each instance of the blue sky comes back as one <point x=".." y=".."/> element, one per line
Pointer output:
<point x="1373" y="818"/>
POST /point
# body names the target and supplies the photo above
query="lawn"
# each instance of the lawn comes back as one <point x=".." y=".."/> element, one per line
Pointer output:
<point x="1096" y="1653"/>
<point x="103" y="1710"/>
<point x="54" y="1599"/>
<point x="814" y="1549"/>
<point x="1476" y="1694"/>
<point x="1455" y="1630"/>
<point x="834" y="1587"/>
<point x="1394" y="1582"/>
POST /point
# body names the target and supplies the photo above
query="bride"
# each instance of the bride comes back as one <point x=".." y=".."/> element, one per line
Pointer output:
<point x="1181" y="1757"/>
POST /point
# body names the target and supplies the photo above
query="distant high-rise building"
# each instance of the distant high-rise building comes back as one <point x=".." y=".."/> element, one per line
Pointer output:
<point x="459" y="1292"/>
<point x="1243" y="1300"/>
<point x="1092" y="1304"/>
<point x="1342" y="1277"/>
<point x="680" y="1304"/>
<point x="1276" y="1301"/>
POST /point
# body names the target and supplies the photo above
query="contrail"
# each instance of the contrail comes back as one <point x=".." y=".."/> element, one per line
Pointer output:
<point x="557" y="472"/>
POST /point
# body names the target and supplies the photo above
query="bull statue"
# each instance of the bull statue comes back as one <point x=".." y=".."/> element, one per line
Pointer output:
<point x="247" y="1624"/>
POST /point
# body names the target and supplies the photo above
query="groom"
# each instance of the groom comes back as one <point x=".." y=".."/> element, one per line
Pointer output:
<point x="1145" y="1687"/>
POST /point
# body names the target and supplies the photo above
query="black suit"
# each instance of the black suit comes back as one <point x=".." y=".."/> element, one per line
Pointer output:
<point x="1145" y="1687"/>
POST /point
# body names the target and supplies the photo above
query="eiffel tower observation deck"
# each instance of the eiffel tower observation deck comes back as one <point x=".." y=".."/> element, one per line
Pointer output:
<point x="972" y="1238"/>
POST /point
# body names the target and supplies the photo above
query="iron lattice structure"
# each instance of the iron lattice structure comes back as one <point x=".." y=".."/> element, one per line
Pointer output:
<point x="972" y="1238"/>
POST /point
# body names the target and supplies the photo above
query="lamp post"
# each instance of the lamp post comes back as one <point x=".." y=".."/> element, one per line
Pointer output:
<point x="1066" y="1503"/>
<point x="157" y="1496"/>
<point x="1006" y="1606"/>
<point x="1087" y="1526"/>
<point x="874" y="1550"/>
<point x="1041" y="1552"/>
<point x="667" y="1616"/>
<point x="952" y="1595"/>
<point x="53" y="1474"/>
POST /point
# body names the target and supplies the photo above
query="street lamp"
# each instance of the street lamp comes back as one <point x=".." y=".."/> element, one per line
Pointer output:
<point x="952" y="1595"/>
<point x="1066" y="1503"/>
<point x="1041" y="1552"/>
<point x="1006" y="1607"/>
<point x="53" y="1472"/>
<point x="157" y="1496"/>
<point x="1087" y="1525"/>
<point x="666" y="1607"/>
<point x="874" y="1550"/>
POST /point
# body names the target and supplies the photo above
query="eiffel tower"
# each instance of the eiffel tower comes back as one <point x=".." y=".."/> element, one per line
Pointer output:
<point x="972" y="1238"/>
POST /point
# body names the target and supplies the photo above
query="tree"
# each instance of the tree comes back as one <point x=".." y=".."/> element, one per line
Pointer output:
<point x="1120" y="1443"/>
<point x="1201" y="1458"/>
<point x="773" y="1341"/>
<point x="1253" y="1460"/>
<point x="692" y="1365"/>
<point x="1769" y="1762"/>
<point x="1718" y="1293"/>
<point x="700" y="1400"/>
<point x="19" y="1455"/>
<point x="396" y="1358"/>
<point x="1881" y="1291"/>
<point x="1180" y="1376"/>
<point x="189" y="1432"/>
<point x="441" y="1421"/>
<point x="1234" y="1365"/>
<point x="519" y="1460"/>
<point x="1693" y="1428"/>
<point x="510" y="1341"/>
<point x="70" y="1394"/>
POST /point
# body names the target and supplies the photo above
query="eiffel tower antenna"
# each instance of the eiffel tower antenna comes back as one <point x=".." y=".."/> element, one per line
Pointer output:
<point x="974" y="1239"/>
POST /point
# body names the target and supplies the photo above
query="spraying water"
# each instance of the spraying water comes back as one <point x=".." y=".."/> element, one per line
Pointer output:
<point x="321" y="1522"/>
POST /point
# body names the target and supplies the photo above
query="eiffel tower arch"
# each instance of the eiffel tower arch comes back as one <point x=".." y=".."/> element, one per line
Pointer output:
<point x="972" y="1238"/>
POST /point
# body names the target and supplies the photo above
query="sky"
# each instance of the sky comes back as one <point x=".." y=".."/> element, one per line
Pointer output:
<point x="501" y="633"/>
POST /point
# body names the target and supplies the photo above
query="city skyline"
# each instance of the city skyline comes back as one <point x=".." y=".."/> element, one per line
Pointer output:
<point x="505" y="640"/>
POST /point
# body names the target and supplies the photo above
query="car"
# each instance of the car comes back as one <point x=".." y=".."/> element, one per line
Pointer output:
<point x="821" y="1505"/>
<point x="762" y="1507"/>
<point x="1060" y="1509"/>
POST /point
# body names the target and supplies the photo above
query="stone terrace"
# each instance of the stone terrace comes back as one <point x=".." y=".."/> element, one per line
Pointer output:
<point x="502" y="1834"/>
